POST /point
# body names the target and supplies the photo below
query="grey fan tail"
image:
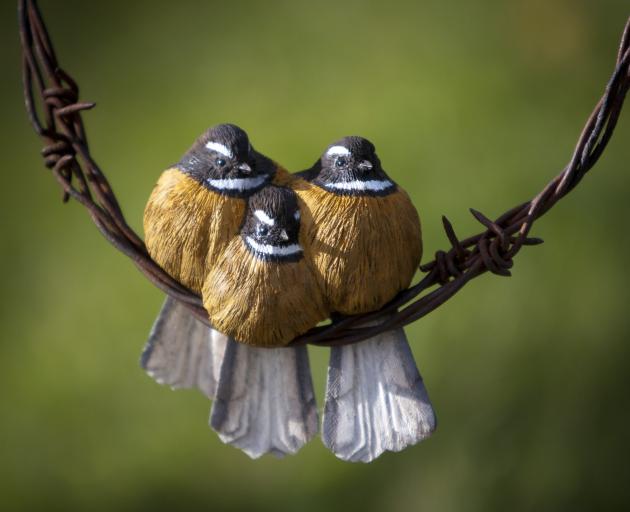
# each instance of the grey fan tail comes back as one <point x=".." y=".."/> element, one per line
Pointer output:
<point x="265" y="401"/>
<point x="183" y="352"/>
<point x="375" y="399"/>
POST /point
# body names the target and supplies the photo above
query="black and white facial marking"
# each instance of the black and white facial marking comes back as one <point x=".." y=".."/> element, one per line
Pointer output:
<point x="350" y="167"/>
<point x="223" y="160"/>
<point x="272" y="225"/>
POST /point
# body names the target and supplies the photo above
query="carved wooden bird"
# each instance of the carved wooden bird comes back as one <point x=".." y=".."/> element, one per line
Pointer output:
<point x="262" y="292"/>
<point x="195" y="209"/>
<point x="365" y="241"/>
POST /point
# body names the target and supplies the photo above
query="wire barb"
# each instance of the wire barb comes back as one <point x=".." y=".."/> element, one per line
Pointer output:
<point x="51" y="91"/>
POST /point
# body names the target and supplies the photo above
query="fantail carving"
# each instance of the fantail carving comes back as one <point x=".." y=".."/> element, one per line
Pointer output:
<point x="195" y="209"/>
<point x="262" y="292"/>
<point x="375" y="396"/>
<point x="264" y="400"/>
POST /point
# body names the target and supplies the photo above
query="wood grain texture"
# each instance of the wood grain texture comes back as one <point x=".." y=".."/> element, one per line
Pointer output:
<point x="375" y="399"/>
<point x="182" y="352"/>
<point x="261" y="303"/>
<point x="265" y="401"/>
<point x="187" y="226"/>
<point x="364" y="249"/>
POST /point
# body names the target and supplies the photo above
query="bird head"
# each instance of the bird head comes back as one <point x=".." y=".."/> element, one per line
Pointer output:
<point x="350" y="167"/>
<point x="223" y="160"/>
<point x="272" y="224"/>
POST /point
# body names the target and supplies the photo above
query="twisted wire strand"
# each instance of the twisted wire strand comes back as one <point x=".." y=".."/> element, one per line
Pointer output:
<point x="52" y="103"/>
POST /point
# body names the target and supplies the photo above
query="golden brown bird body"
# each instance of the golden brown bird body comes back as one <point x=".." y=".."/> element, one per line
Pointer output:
<point x="262" y="303"/>
<point x="188" y="226"/>
<point x="363" y="236"/>
<point x="262" y="290"/>
<point x="197" y="206"/>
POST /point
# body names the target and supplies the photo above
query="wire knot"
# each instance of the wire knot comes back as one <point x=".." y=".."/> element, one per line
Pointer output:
<point x="64" y="101"/>
<point x="59" y="151"/>
<point x="448" y="264"/>
<point x="493" y="250"/>
<point x="493" y="246"/>
<point x="63" y="127"/>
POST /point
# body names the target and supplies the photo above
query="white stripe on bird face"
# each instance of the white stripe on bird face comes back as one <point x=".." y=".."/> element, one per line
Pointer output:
<point x="240" y="184"/>
<point x="338" y="150"/>
<point x="263" y="217"/>
<point x="273" y="250"/>
<point x="219" y="148"/>
<point x="369" y="185"/>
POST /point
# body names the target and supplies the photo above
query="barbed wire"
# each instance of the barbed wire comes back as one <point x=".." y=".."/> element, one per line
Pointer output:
<point x="53" y="106"/>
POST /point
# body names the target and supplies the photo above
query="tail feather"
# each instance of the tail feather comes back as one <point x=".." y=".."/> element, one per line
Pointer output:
<point x="182" y="352"/>
<point x="265" y="401"/>
<point x="375" y="399"/>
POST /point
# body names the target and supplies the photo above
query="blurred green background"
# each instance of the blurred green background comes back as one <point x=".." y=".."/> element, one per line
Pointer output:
<point x="470" y="104"/>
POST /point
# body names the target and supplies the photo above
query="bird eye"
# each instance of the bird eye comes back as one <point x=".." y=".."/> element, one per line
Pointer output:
<point x="220" y="162"/>
<point x="261" y="230"/>
<point x="340" y="162"/>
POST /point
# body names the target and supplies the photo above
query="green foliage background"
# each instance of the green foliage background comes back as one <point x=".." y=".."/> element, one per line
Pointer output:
<point x="470" y="104"/>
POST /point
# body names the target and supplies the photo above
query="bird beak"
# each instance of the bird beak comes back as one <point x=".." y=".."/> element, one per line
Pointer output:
<point x="244" y="168"/>
<point x="283" y="235"/>
<point x="365" y="166"/>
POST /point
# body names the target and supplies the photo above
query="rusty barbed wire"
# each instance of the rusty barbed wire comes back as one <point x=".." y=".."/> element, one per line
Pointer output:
<point x="52" y="104"/>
